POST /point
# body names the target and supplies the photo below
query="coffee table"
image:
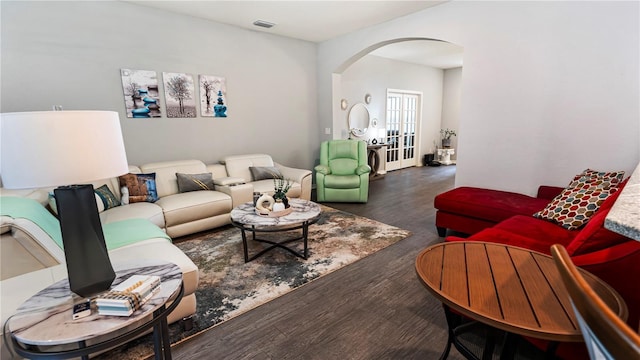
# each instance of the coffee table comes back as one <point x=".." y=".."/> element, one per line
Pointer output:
<point x="512" y="289"/>
<point x="246" y="219"/>
<point x="43" y="326"/>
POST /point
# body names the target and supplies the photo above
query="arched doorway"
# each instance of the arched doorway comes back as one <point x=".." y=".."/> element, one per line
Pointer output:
<point x="375" y="77"/>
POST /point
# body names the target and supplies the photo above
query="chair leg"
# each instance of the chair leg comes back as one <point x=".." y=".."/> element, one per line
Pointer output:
<point x="442" y="232"/>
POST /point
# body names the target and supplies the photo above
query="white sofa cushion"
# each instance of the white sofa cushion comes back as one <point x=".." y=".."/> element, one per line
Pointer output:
<point x="161" y="249"/>
<point x="238" y="165"/>
<point x="139" y="210"/>
<point x="195" y="205"/>
<point x="166" y="180"/>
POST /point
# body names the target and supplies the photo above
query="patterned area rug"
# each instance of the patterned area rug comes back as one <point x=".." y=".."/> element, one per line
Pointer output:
<point x="228" y="287"/>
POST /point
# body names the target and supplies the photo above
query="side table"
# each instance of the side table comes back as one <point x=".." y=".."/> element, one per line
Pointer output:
<point x="445" y="156"/>
<point x="43" y="327"/>
<point x="508" y="288"/>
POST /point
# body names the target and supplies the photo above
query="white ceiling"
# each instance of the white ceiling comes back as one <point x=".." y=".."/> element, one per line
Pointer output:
<point x="317" y="21"/>
<point x="437" y="54"/>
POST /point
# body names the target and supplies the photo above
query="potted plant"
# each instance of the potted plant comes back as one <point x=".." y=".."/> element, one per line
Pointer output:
<point x="281" y="186"/>
<point x="446" y="137"/>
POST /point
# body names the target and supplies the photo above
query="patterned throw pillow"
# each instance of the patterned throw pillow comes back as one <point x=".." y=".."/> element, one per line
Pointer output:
<point x="108" y="199"/>
<point x="265" y="172"/>
<point x="194" y="182"/>
<point x="142" y="187"/>
<point x="575" y="205"/>
<point x="104" y="199"/>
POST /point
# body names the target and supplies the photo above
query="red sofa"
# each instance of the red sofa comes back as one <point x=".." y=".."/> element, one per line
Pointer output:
<point x="503" y="217"/>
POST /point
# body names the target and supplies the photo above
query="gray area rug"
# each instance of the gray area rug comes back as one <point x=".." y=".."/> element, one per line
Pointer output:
<point x="228" y="287"/>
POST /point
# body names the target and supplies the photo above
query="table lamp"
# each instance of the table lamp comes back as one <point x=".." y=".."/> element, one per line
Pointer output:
<point x="61" y="148"/>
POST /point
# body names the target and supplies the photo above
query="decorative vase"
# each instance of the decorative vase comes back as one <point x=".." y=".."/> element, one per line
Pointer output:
<point x="278" y="205"/>
<point x="265" y="198"/>
<point x="446" y="143"/>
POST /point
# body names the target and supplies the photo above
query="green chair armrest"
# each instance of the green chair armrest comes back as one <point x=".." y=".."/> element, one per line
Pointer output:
<point x="363" y="169"/>
<point x="323" y="169"/>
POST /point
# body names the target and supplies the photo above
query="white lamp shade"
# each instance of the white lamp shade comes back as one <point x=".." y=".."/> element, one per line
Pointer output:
<point x="55" y="148"/>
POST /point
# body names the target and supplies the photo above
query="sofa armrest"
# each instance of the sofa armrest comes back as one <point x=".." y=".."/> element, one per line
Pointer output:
<point x="301" y="176"/>
<point x="240" y="194"/>
<point x="228" y="181"/>
<point x="363" y="169"/>
<point x="548" y="192"/>
<point x="616" y="266"/>
<point x="323" y="169"/>
<point x="294" y="174"/>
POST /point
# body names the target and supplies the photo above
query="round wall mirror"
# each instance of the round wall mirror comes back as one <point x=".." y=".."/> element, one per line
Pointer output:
<point x="359" y="121"/>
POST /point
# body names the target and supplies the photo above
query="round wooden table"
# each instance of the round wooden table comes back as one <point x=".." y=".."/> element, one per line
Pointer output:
<point x="509" y="288"/>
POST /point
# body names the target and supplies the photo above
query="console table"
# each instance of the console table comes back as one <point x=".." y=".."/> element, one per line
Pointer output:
<point x="376" y="159"/>
<point x="43" y="327"/>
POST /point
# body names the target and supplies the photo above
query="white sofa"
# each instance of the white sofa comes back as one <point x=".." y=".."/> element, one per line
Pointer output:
<point x="30" y="260"/>
<point x="238" y="167"/>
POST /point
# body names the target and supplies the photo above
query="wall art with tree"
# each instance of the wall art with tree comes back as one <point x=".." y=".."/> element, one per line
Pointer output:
<point x="179" y="94"/>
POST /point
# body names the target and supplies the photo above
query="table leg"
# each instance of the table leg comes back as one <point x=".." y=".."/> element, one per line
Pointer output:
<point x="161" y="342"/>
<point x="244" y="245"/>
<point x="490" y="344"/>
<point x="305" y="236"/>
<point x="157" y="340"/>
<point x="273" y="244"/>
<point x="165" y="339"/>
<point x="450" y="326"/>
<point x="82" y="345"/>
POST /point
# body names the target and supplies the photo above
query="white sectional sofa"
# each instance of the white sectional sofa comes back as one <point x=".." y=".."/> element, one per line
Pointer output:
<point x="239" y="167"/>
<point x="31" y="260"/>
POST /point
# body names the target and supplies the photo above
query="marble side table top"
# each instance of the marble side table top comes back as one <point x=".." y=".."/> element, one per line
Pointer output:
<point x="624" y="216"/>
<point x="46" y="318"/>
<point x="303" y="210"/>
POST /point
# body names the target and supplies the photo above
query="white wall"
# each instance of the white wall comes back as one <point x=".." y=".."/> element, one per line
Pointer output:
<point x="374" y="75"/>
<point x="71" y="53"/>
<point x="549" y="88"/>
<point x="451" y="102"/>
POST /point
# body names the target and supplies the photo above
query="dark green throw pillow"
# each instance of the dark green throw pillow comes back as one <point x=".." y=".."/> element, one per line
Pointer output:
<point x="194" y="182"/>
<point x="265" y="172"/>
<point x="108" y="199"/>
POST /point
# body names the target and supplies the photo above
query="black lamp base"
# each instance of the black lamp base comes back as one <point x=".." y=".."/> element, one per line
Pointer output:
<point x="88" y="266"/>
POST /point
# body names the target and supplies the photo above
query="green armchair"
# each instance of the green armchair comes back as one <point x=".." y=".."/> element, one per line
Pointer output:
<point x="343" y="173"/>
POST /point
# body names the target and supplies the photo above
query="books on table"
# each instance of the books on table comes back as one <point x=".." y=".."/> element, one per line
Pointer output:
<point x="128" y="296"/>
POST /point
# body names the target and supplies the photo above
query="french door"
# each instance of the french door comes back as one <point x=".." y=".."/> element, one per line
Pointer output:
<point x="403" y="118"/>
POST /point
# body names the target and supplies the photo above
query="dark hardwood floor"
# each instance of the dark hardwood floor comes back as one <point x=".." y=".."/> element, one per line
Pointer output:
<point x="375" y="308"/>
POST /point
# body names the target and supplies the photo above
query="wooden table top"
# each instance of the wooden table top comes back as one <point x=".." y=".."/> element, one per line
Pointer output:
<point x="510" y="288"/>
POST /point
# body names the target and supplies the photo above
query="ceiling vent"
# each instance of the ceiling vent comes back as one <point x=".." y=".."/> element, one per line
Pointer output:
<point x="264" y="24"/>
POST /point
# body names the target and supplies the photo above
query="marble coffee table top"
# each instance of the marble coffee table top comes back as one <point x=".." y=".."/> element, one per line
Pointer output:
<point x="303" y="210"/>
<point x="46" y="318"/>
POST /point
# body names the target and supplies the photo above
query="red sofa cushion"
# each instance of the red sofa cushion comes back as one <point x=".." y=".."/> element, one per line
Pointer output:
<point x="537" y="229"/>
<point x="492" y="205"/>
<point x="594" y="236"/>
<point x="525" y="232"/>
